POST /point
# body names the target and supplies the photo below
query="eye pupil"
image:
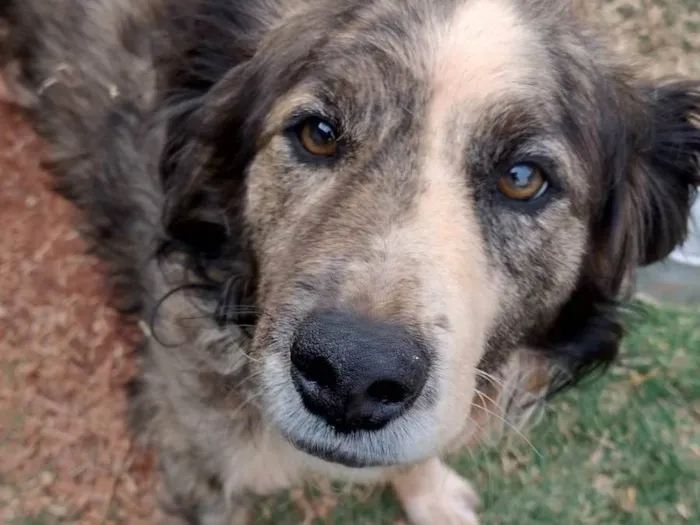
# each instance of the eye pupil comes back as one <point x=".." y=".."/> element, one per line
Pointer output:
<point x="523" y="182"/>
<point x="318" y="137"/>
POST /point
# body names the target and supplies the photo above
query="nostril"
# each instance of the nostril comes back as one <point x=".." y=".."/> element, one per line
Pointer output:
<point x="315" y="368"/>
<point x="388" y="392"/>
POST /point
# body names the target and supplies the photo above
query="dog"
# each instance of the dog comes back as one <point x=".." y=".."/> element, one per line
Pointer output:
<point x="356" y="233"/>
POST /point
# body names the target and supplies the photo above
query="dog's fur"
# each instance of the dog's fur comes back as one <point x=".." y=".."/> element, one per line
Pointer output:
<point x="167" y="123"/>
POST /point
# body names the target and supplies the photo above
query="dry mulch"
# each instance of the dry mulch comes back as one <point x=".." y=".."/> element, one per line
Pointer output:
<point x="64" y="450"/>
<point x="65" y="455"/>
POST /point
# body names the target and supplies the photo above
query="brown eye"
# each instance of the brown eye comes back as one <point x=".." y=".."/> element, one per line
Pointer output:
<point x="523" y="182"/>
<point x="318" y="137"/>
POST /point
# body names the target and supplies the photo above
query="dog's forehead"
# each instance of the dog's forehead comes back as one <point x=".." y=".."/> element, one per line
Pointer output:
<point x="461" y="57"/>
<point x="467" y="48"/>
<point x="484" y="50"/>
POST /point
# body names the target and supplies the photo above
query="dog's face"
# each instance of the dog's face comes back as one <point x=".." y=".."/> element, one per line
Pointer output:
<point x="424" y="187"/>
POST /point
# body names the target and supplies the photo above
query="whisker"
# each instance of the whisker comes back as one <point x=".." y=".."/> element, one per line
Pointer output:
<point x="244" y="355"/>
<point x="498" y="381"/>
<point x="506" y="422"/>
<point x="513" y="387"/>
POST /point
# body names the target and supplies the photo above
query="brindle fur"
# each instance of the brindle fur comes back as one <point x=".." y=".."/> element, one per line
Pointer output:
<point x="165" y="121"/>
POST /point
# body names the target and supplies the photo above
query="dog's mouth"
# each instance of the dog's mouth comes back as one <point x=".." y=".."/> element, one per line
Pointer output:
<point x="340" y="453"/>
<point x="406" y="440"/>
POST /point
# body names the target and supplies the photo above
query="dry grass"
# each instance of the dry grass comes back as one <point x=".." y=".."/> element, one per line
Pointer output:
<point x="663" y="34"/>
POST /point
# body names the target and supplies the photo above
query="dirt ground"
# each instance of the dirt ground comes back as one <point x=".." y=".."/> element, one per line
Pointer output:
<point x="64" y="452"/>
<point x="65" y="455"/>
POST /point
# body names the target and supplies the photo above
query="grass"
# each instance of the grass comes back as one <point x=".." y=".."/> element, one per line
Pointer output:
<point x="623" y="450"/>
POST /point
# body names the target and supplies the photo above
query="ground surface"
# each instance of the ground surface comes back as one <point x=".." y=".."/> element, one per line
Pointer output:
<point x="62" y="361"/>
<point x="623" y="451"/>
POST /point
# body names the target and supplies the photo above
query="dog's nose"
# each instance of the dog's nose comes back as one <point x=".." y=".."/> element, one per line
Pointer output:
<point x="357" y="373"/>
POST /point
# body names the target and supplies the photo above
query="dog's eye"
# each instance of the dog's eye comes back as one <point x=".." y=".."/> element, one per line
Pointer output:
<point x="523" y="182"/>
<point x="318" y="137"/>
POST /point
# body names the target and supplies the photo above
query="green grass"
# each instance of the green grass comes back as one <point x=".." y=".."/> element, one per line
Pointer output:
<point x="624" y="450"/>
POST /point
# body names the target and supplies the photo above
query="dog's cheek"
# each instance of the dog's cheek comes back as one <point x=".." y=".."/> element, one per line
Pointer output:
<point x="266" y="191"/>
<point x="537" y="261"/>
<point x="556" y="270"/>
<point x="531" y="277"/>
<point x="283" y="197"/>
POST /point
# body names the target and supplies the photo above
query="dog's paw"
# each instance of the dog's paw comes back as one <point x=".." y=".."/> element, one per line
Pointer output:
<point x="434" y="494"/>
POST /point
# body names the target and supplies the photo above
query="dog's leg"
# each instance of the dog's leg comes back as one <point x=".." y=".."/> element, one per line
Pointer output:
<point x="433" y="494"/>
<point x="192" y="489"/>
<point x="190" y="498"/>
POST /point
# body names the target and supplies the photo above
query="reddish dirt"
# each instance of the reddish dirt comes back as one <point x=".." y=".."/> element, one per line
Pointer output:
<point x="65" y="455"/>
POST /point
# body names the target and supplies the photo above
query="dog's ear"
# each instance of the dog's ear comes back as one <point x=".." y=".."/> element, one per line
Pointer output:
<point x="653" y="179"/>
<point x="219" y="95"/>
<point x="202" y="55"/>
<point x="203" y="166"/>
<point x="674" y="150"/>
<point x="651" y="158"/>
<point x="668" y="168"/>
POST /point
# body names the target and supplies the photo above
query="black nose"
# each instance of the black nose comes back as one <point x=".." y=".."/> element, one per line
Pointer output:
<point x="357" y="373"/>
